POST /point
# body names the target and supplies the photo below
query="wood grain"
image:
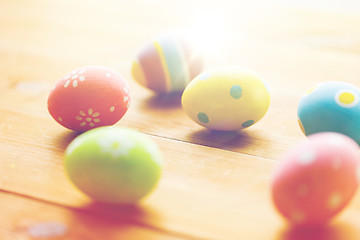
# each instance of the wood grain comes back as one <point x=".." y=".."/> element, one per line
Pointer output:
<point x="234" y="187"/>
<point x="25" y="218"/>
<point x="215" y="184"/>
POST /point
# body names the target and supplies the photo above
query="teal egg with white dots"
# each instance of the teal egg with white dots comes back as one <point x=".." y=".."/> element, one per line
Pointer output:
<point x="331" y="107"/>
<point x="113" y="165"/>
<point x="227" y="98"/>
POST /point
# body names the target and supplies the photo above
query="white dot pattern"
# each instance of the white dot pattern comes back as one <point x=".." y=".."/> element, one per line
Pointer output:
<point x="307" y="157"/>
<point x="298" y="216"/>
<point x="302" y="190"/>
<point x="358" y="173"/>
<point x="336" y="163"/>
<point x="334" y="200"/>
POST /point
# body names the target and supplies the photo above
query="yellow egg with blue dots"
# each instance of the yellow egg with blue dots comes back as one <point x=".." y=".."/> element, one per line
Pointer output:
<point x="227" y="98"/>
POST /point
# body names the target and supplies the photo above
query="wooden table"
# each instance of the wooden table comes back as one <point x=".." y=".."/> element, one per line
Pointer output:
<point x="215" y="185"/>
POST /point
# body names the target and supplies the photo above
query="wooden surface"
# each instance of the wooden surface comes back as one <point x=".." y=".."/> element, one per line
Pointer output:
<point x="215" y="185"/>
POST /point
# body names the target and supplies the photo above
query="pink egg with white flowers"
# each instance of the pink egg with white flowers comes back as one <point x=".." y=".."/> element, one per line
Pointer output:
<point x="89" y="97"/>
<point x="317" y="179"/>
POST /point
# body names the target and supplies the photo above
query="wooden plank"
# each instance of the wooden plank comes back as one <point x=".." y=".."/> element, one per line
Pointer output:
<point x="24" y="218"/>
<point x="205" y="192"/>
<point x="42" y="176"/>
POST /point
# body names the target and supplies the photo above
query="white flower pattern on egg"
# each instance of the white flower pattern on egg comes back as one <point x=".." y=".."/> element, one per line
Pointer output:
<point x="96" y="88"/>
<point x="117" y="146"/>
<point x="74" y="78"/>
<point x="90" y="117"/>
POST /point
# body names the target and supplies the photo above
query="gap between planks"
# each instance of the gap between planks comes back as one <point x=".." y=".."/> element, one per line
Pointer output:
<point x="45" y="116"/>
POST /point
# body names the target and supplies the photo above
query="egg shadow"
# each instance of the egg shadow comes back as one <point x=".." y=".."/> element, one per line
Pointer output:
<point x="163" y="101"/>
<point x="95" y="219"/>
<point x="227" y="140"/>
<point x="116" y="212"/>
<point x="64" y="139"/>
<point x="338" y="231"/>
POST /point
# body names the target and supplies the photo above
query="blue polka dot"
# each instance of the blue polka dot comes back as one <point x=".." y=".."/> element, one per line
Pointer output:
<point x="204" y="75"/>
<point x="248" y="123"/>
<point x="236" y="91"/>
<point x="203" y="117"/>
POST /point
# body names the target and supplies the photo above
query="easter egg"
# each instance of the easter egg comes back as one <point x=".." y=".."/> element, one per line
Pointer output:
<point x="113" y="165"/>
<point x="331" y="106"/>
<point x="89" y="97"/>
<point x="227" y="98"/>
<point x="167" y="63"/>
<point x="317" y="179"/>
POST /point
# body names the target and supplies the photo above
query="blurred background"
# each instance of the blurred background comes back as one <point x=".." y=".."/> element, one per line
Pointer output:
<point x="285" y="41"/>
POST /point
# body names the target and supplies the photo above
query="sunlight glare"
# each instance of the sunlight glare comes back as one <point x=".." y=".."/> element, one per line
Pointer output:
<point x="211" y="34"/>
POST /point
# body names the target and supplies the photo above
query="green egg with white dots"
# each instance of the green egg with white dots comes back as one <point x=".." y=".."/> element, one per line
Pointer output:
<point x="226" y="98"/>
<point x="113" y="165"/>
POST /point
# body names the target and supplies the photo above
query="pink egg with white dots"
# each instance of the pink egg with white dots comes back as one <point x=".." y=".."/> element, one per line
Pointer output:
<point x="89" y="97"/>
<point x="317" y="179"/>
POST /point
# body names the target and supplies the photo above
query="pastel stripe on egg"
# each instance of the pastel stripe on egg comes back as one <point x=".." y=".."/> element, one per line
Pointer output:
<point x="176" y="65"/>
<point x="149" y="67"/>
<point x="166" y="64"/>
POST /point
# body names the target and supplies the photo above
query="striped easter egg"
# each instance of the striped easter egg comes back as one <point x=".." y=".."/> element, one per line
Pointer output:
<point x="167" y="64"/>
